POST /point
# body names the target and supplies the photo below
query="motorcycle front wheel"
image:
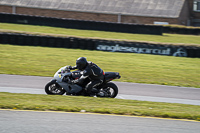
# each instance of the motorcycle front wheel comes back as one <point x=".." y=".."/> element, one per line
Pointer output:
<point x="52" y="88"/>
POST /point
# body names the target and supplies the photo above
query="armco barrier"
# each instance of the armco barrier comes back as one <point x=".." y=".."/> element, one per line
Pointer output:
<point x="97" y="44"/>
<point x="189" y="31"/>
<point x="79" y="24"/>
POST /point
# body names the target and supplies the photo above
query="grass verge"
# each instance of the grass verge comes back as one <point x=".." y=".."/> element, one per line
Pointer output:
<point x="137" y="68"/>
<point x="98" y="105"/>
<point x="176" y="39"/>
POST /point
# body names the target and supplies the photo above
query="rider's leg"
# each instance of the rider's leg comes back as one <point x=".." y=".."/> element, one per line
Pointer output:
<point x="92" y="84"/>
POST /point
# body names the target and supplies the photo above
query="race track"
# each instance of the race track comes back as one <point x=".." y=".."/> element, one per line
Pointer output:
<point x="57" y="122"/>
<point x="133" y="91"/>
<point x="12" y="121"/>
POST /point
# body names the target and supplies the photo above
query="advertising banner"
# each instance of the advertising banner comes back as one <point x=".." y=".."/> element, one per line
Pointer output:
<point x="141" y="48"/>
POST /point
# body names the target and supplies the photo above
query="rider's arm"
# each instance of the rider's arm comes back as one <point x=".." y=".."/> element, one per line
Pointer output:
<point x="73" y="68"/>
<point x="80" y="80"/>
<point x="85" y="74"/>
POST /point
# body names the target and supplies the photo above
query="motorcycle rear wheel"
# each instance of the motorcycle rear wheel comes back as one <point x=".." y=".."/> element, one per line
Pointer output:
<point x="111" y="88"/>
<point x="52" y="88"/>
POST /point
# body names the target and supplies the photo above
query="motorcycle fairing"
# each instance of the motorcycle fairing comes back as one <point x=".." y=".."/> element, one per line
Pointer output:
<point x="71" y="88"/>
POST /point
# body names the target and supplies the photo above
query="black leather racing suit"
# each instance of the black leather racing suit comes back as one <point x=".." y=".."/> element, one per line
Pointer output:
<point x="94" y="73"/>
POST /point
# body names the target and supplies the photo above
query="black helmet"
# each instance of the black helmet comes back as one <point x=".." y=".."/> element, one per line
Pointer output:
<point x="81" y="63"/>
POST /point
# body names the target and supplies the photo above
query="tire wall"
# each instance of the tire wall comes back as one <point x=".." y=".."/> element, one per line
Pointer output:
<point x="97" y="44"/>
<point x="80" y="24"/>
<point x="95" y="25"/>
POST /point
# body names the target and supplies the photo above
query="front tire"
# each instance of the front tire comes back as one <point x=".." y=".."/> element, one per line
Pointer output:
<point x="111" y="89"/>
<point x="53" y="88"/>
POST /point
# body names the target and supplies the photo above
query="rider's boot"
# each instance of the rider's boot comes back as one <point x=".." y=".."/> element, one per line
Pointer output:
<point x="100" y="94"/>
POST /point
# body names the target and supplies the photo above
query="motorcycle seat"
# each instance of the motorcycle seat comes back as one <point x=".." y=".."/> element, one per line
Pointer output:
<point x="111" y="75"/>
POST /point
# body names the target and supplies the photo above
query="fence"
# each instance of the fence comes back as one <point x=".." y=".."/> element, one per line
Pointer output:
<point x="97" y="44"/>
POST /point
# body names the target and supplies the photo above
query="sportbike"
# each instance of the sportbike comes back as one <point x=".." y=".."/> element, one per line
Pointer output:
<point x="61" y="84"/>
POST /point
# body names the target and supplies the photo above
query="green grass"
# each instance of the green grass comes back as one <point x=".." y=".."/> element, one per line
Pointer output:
<point x="138" y="68"/>
<point x="166" y="38"/>
<point x="98" y="105"/>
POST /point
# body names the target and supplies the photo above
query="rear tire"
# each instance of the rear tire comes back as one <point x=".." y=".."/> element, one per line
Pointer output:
<point x="53" y="88"/>
<point x="112" y="89"/>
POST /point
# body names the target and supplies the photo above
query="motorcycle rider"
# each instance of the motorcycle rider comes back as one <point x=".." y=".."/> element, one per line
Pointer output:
<point x="91" y="71"/>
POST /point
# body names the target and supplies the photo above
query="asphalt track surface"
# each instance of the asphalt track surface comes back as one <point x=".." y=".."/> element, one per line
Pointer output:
<point x="50" y="122"/>
<point x="133" y="91"/>
<point x="57" y="122"/>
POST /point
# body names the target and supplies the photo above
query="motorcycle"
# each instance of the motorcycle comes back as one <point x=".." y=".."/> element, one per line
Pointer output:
<point x="61" y="84"/>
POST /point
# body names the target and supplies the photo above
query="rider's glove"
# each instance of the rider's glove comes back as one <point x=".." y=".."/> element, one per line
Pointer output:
<point x="70" y="67"/>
